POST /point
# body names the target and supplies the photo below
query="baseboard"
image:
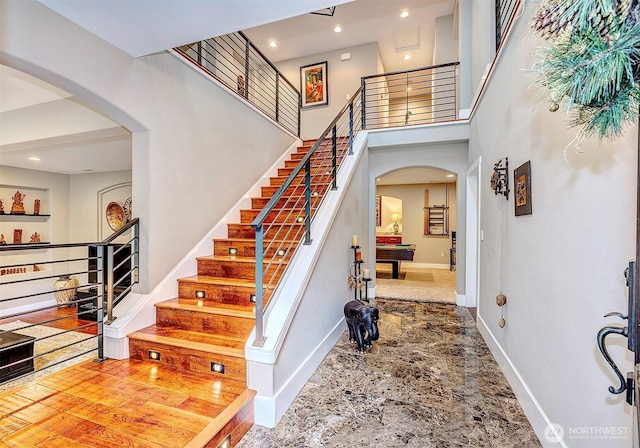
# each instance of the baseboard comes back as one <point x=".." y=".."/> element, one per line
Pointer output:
<point x="27" y="308"/>
<point x="537" y="417"/>
<point x="461" y="300"/>
<point x="269" y="410"/>
<point x="410" y="264"/>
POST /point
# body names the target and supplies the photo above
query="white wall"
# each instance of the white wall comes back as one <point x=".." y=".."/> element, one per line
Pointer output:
<point x="561" y="267"/>
<point x="445" y="45"/>
<point x="344" y="79"/>
<point x="188" y="134"/>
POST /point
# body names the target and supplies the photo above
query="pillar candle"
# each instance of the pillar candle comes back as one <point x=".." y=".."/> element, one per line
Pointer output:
<point x="355" y="240"/>
<point x="366" y="272"/>
<point x="358" y="255"/>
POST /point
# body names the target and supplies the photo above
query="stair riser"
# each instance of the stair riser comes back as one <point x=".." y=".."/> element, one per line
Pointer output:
<point x="285" y="202"/>
<point x="284" y="231"/>
<point x="226" y="268"/>
<point x="315" y="163"/>
<point x="245" y="249"/>
<point x="268" y="191"/>
<point x="231" y="269"/>
<point x="290" y="216"/>
<point x="205" y="322"/>
<point x="233" y="295"/>
<point x="188" y="359"/>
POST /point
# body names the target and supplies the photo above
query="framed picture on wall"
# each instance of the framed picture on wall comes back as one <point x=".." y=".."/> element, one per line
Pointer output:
<point x="314" y="85"/>
<point x="378" y="210"/>
<point x="522" y="183"/>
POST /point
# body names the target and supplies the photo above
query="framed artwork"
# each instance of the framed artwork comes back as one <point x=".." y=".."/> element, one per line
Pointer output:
<point x="378" y="210"/>
<point x="522" y="183"/>
<point x="314" y="85"/>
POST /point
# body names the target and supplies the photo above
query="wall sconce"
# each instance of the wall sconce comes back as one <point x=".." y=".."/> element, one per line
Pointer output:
<point x="200" y="294"/>
<point x="217" y="367"/>
<point x="500" y="177"/>
<point x="154" y="355"/>
<point x="233" y="251"/>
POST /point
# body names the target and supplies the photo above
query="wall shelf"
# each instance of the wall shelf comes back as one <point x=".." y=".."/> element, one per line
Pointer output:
<point x="437" y="220"/>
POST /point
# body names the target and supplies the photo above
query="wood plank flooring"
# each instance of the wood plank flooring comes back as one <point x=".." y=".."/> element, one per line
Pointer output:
<point x="118" y="403"/>
<point x="68" y="319"/>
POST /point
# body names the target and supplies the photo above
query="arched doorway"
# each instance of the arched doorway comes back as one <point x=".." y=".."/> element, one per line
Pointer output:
<point x="416" y="216"/>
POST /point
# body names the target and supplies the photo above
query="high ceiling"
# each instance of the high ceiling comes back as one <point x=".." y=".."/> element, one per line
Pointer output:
<point x="146" y="26"/>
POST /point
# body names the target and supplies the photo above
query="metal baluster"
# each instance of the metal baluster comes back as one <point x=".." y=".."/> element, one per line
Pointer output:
<point x="307" y="202"/>
<point x="259" y="293"/>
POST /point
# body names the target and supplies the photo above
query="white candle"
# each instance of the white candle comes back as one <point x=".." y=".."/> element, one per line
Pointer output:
<point x="366" y="272"/>
<point x="355" y="240"/>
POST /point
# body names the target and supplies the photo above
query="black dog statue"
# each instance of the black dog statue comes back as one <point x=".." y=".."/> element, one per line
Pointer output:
<point x="362" y="320"/>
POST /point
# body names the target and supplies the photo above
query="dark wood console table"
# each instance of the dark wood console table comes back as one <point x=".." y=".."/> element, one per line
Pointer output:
<point x="15" y="347"/>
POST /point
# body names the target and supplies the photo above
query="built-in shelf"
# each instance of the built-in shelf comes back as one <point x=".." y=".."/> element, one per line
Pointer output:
<point x="437" y="220"/>
<point x="23" y="215"/>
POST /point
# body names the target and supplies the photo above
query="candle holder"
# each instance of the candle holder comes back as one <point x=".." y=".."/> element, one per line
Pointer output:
<point x="356" y="279"/>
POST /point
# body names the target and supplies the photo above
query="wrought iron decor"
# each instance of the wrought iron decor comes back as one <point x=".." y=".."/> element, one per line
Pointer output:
<point x="500" y="177"/>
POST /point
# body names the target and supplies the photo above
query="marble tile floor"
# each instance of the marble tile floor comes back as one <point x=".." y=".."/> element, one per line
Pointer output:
<point x="429" y="381"/>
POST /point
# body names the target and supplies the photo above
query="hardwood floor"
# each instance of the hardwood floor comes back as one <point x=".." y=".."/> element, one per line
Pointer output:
<point x="63" y="318"/>
<point x="122" y="403"/>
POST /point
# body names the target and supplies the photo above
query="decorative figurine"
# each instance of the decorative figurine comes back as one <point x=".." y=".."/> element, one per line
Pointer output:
<point x="1" y="207"/>
<point x="362" y="320"/>
<point x="17" y="208"/>
<point x="2" y="240"/>
<point x="17" y="236"/>
<point x="36" y="207"/>
<point x="35" y="238"/>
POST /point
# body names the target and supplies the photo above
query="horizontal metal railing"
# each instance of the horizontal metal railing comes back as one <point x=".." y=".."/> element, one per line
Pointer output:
<point x="505" y="9"/>
<point x="285" y="221"/>
<point x="418" y="96"/>
<point x="237" y="63"/>
<point x="86" y="279"/>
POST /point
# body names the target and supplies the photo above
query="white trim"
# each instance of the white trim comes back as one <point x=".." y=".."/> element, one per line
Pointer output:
<point x="27" y="308"/>
<point x="537" y="418"/>
<point x="269" y="410"/>
<point x="472" y="245"/>
<point x="461" y="300"/>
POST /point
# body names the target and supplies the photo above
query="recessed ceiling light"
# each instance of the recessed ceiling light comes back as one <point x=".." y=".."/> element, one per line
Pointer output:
<point x="34" y="159"/>
<point x="273" y="44"/>
<point x="407" y="57"/>
<point x="337" y="29"/>
<point x="451" y="175"/>
<point x="404" y="14"/>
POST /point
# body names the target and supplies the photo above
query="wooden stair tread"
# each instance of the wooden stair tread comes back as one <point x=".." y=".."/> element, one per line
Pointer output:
<point x="204" y="306"/>
<point x="192" y="340"/>
<point x="236" y="258"/>
<point x="228" y="281"/>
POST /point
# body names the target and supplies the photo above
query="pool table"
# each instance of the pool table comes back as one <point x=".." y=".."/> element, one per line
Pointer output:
<point x="394" y="254"/>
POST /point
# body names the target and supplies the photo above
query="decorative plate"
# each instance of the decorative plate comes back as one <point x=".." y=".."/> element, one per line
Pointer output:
<point x="115" y="216"/>
<point x="128" y="211"/>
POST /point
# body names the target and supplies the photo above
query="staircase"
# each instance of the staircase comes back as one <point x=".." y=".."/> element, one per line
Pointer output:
<point x="205" y="328"/>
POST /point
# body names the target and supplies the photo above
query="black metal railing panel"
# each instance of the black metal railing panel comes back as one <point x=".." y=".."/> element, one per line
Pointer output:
<point x="53" y="299"/>
<point x="286" y="221"/>
<point x="238" y="64"/>
<point x="505" y="9"/>
<point x="419" y="96"/>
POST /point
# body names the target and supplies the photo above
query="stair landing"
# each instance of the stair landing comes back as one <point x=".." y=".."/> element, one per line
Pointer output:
<point x="124" y="403"/>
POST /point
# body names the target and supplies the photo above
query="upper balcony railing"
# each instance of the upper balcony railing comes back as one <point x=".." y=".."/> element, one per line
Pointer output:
<point x="418" y="96"/>
<point x="505" y="9"/>
<point x="237" y="63"/>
